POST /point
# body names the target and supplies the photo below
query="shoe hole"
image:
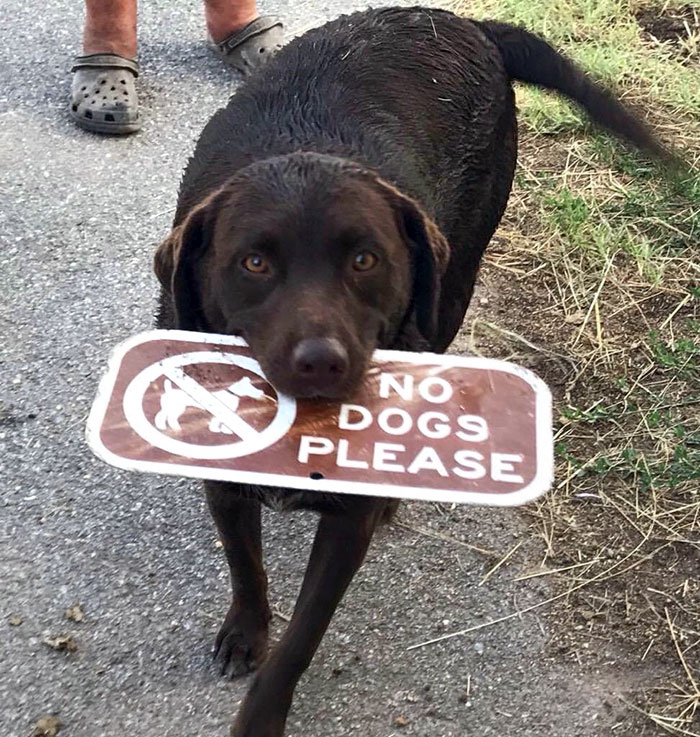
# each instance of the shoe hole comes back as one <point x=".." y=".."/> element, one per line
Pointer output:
<point x="74" y="108"/>
<point x="112" y="88"/>
<point x="103" y="81"/>
<point x="86" y="95"/>
<point x="123" y="81"/>
<point x="109" y="117"/>
<point x="83" y="88"/>
<point x="88" y="114"/>
<point x="261" y="50"/>
<point x="104" y="97"/>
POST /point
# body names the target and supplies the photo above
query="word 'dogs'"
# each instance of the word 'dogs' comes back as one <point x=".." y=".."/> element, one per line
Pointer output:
<point x="422" y="426"/>
<point x="391" y="457"/>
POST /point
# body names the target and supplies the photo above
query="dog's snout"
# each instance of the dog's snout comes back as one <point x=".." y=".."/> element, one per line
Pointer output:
<point x="322" y="362"/>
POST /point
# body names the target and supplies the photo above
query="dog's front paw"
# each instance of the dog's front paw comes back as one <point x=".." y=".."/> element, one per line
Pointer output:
<point x="241" y="644"/>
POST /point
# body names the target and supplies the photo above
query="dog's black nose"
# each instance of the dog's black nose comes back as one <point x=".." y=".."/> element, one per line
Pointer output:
<point x="322" y="362"/>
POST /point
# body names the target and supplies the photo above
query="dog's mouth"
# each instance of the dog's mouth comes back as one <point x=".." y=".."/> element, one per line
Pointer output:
<point x="331" y="387"/>
<point x="304" y="390"/>
<point x="316" y="395"/>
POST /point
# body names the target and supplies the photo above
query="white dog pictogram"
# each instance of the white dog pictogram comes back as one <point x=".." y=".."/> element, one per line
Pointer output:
<point x="173" y="402"/>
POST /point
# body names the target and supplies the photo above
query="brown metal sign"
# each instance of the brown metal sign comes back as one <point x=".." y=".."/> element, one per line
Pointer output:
<point x="423" y="426"/>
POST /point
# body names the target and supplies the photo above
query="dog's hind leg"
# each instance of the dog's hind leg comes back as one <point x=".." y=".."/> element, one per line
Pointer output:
<point x="338" y="551"/>
<point x="241" y="643"/>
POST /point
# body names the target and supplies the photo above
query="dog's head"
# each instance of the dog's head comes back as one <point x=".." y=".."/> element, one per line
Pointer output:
<point x="315" y="261"/>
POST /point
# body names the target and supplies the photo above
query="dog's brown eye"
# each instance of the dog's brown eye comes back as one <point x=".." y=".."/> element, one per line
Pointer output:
<point x="364" y="261"/>
<point x="256" y="264"/>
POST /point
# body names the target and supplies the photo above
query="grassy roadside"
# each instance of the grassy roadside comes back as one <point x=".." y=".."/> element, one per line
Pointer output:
<point x="595" y="273"/>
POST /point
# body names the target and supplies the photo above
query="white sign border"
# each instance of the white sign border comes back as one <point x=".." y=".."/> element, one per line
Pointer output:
<point x="543" y="424"/>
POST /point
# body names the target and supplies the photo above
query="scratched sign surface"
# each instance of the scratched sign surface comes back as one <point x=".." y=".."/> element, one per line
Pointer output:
<point x="422" y="426"/>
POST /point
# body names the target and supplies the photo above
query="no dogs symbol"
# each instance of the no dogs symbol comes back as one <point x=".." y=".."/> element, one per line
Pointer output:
<point x="179" y="392"/>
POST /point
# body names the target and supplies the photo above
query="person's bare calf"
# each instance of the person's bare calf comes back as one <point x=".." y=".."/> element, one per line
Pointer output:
<point x="110" y="27"/>
<point x="225" y="17"/>
<point x="245" y="40"/>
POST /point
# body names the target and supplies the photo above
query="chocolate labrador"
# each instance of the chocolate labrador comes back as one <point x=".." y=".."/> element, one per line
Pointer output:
<point x="341" y="202"/>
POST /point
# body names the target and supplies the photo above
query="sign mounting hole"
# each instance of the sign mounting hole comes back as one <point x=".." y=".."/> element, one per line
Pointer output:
<point x="316" y="475"/>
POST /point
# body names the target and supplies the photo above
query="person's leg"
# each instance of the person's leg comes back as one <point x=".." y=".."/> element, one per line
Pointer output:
<point x="225" y="17"/>
<point x="244" y="39"/>
<point x="110" y="27"/>
<point x="104" y="97"/>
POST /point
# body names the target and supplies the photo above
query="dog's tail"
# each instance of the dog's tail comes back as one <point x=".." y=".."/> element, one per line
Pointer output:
<point x="529" y="58"/>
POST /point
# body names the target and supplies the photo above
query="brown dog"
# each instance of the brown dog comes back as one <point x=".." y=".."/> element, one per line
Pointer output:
<point x="341" y="203"/>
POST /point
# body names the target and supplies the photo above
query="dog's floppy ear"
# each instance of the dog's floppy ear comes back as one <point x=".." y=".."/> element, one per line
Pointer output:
<point x="175" y="259"/>
<point x="431" y="253"/>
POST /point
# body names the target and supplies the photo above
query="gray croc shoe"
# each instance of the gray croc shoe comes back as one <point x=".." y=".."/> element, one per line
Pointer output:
<point x="104" y="98"/>
<point x="251" y="47"/>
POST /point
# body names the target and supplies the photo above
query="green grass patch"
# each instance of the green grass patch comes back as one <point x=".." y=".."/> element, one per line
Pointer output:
<point x="663" y="453"/>
<point x="606" y="39"/>
<point x="608" y="253"/>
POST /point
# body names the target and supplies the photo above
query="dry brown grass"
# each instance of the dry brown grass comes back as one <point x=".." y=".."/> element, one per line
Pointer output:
<point x="594" y="282"/>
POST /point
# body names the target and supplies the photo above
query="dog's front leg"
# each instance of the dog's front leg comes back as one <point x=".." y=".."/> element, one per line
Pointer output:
<point x="241" y="644"/>
<point x="338" y="551"/>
